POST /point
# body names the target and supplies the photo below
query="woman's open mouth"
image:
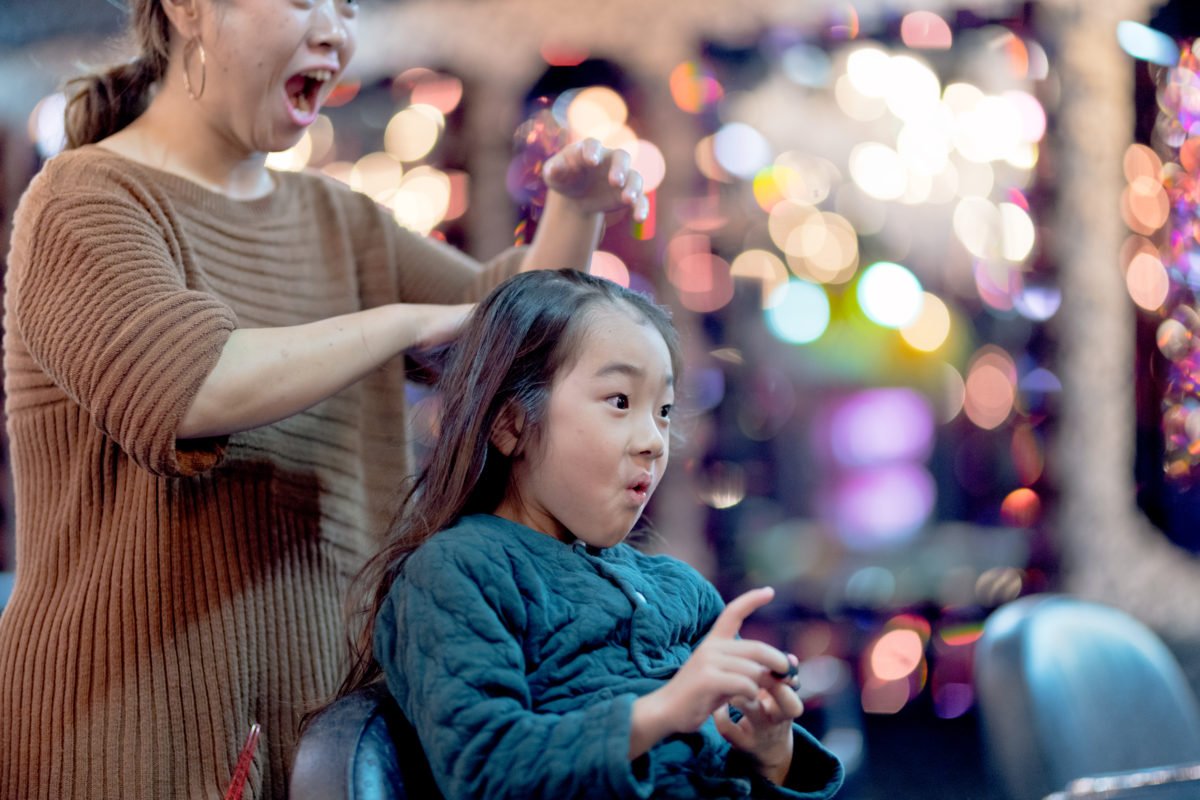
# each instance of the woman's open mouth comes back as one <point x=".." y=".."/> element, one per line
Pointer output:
<point x="303" y="94"/>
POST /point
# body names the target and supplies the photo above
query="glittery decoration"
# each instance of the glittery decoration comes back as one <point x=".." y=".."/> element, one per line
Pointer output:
<point x="1177" y="132"/>
<point x="536" y="139"/>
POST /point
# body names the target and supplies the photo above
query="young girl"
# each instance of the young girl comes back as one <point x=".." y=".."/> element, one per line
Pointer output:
<point x="535" y="653"/>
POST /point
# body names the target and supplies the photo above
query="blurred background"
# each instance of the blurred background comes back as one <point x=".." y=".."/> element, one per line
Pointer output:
<point x="932" y="262"/>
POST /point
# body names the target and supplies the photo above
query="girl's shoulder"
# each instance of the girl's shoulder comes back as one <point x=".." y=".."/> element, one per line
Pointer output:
<point x="474" y="539"/>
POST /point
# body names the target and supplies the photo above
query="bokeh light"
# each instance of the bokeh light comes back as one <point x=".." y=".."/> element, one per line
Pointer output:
<point x="881" y="426"/>
<point x="878" y="170"/>
<point x="294" y="158"/>
<point x="1021" y="508"/>
<point x="422" y="199"/>
<point x="807" y="65"/>
<point x="881" y="507"/>
<point x="609" y="265"/>
<point x="1146" y="43"/>
<point x="931" y="327"/>
<point x="1147" y="281"/>
<point x="925" y="30"/>
<point x="47" y="126"/>
<point x="867" y="69"/>
<point x="703" y="280"/>
<point x="953" y="393"/>
<point x="427" y="87"/>
<point x="990" y="388"/>
<point x="741" y="150"/>
<point x="693" y="87"/>
<point x="765" y="268"/>
<point x="650" y="163"/>
<point x="376" y="175"/>
<point x="597" y="111"/>
<point x="913" y="90"/>
<point x="897" y="654"/>
<point x="412" y="132"/>
<point x="890" y="295"/>
<point x="798" y="312"/>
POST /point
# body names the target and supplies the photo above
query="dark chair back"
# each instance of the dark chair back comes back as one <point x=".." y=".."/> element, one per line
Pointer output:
<point x="1069" y="689"/>
<point x="361" y="747"/>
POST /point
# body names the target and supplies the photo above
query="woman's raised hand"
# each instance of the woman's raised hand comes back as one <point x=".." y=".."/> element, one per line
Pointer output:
<point x="596" y="178"/>
<point x="724" y="669"/>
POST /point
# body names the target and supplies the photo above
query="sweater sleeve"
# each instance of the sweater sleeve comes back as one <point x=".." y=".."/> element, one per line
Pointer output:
<point x="449" y="642"/>
<point x="96" y="289"/>
<point x="421" y="269"/>
<point x="446" y="274"/>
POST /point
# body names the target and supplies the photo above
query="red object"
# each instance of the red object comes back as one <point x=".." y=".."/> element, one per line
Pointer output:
<point x="242" y="770"/>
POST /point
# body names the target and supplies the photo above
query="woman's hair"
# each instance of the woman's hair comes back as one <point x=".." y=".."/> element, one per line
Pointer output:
<point x="105" y="102"/>
<point x="504" y="362"/>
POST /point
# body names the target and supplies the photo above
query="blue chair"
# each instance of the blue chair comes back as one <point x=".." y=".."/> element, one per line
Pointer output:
<point x="361" y="747"/>
<point x="1070" y="690"/>
<point x="6" y="585"/>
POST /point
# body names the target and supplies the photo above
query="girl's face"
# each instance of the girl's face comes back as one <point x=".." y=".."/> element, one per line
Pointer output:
<point x="604" y="444"/>
<point x="270" y="65"/>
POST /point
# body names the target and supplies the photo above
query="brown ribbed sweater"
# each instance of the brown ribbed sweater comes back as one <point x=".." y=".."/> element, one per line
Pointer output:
<point x="170" y="593"/>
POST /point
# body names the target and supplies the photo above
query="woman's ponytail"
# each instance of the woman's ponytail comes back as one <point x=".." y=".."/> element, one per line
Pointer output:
<point x="106" y="102"/>
<point x="103" y="103"/>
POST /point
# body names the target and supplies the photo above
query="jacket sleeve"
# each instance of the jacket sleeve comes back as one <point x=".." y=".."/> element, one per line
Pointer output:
<point x="96" y="290"/>
<point x="449" y="640"/>
<point x="815" y="774"/>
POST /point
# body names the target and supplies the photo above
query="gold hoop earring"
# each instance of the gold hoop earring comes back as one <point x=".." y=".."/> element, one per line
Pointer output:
<point x="195" y="44"/>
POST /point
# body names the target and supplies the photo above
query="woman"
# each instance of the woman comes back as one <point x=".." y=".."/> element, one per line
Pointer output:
<point x="206" y="420"/>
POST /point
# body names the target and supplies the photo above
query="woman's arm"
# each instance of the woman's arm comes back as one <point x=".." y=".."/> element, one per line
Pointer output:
<point x="264" y="375"/>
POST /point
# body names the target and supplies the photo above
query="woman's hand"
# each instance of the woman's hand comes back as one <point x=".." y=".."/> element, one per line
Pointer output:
<point x="596" y="179"/>
<point x="722" y="669"/>
<point x="438" y="324"/>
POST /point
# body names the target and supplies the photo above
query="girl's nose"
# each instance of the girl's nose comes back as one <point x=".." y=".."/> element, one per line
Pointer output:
<point x="651" y="440"/>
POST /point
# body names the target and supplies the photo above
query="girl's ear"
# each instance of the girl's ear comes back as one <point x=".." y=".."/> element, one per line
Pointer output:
<point x="506" y="432"/>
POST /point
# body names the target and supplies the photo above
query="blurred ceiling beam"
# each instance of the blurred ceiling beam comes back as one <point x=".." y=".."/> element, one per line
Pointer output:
<point x="44" y="44"/>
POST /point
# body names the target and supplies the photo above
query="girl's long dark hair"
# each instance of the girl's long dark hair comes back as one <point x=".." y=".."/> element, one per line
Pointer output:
<point x="506" y="358"/>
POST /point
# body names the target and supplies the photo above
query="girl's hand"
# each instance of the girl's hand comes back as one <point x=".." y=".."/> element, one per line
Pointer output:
<point x="723" y="668"/>
<point x="765" y="728"/>
<point x="596" y="179"/>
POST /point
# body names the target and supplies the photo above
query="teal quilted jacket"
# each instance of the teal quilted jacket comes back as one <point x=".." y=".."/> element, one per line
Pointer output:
<point x="517" y="658"/>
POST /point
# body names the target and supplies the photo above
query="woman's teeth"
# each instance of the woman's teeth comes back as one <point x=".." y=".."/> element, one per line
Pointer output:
<point x="305" y="93"/>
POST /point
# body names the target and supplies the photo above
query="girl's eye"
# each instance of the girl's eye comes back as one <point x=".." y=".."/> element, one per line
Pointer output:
<point x="620" y="401"/>
<point x="665" y="411"/>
